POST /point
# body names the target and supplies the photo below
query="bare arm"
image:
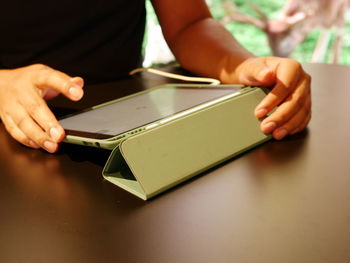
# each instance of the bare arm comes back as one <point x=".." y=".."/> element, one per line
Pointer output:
<point x="206" y="48"/>
<point x="199" y="42"/>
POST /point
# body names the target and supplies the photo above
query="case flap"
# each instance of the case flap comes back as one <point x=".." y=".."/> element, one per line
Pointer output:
<point x="171" y="153"/>
<point x="117" y="172"/>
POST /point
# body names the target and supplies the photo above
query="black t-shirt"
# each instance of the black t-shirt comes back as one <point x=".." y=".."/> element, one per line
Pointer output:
<point x="97" y="40"/>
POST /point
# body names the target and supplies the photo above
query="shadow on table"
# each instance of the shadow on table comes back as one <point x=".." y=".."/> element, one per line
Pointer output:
<point x="78" y="153"/>
<point x="115" y="195"/>
<point x="279" y="153"/>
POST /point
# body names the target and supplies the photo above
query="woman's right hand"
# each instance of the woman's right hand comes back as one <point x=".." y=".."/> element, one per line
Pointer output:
<point x="23" y="109"/>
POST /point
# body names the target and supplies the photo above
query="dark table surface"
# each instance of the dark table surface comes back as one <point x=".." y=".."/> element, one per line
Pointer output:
<point x="285" y="201"/>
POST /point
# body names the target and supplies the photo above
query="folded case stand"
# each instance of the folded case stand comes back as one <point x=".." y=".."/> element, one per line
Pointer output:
<point x="155" y="160"/>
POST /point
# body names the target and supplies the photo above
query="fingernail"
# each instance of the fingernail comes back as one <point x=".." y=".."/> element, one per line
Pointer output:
<point x="76" y="93"/>
<point x="33" y="144"/>
<point x="280" y="134"/>
<point x="263" y="73"/>
<point x="50" y="146"/>
<point x="269" y="127"/>
<point x="54" y="133"/>
<point x="261" y="112"/>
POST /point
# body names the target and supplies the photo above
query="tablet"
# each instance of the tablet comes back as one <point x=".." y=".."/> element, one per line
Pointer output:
<point x="144" y="110"/>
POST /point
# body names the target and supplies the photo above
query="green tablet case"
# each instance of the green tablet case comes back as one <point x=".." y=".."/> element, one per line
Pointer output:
<point x="155" y="160"/>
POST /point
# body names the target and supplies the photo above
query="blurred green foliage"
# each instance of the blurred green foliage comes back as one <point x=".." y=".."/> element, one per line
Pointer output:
<point x="255" y="40"/>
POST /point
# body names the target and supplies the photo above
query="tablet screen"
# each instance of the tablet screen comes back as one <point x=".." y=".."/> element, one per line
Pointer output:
<point x="136" y="111"/>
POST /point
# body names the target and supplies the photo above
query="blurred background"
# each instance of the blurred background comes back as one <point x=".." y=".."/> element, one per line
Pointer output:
<point x="305" y="30"/>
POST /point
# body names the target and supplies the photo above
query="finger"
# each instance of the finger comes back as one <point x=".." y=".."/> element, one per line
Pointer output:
<point x="289" y="107"/>
<point x="48" y="94"/>
<point x="42" y="115"/>
<point x="16" y="133"/>
<point x="256" y="72"/>
<point x="297" y="122"/>
<point x="288" y="73"/>
<point x="31" y="130"/>
<point x="303" y="125"/>
<point x="47" y="77"/>
<point x="78" y="81"/>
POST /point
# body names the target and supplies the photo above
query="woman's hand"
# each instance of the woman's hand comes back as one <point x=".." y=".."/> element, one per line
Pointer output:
<point x="290" y="92"/>
<point x="23" y="109"/>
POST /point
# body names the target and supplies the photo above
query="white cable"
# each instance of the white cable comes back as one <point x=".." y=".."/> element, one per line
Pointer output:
<point x="176" y="76"/>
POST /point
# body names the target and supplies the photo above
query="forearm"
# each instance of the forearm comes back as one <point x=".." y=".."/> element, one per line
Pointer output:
<point x="206" y="48"/>
<point x="203" y="46"/>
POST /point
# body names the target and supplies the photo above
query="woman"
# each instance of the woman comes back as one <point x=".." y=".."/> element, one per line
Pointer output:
<point x="45" y="45"/>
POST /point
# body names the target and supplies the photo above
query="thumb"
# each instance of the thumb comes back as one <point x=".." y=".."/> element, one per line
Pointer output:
<point x="266" y="77"/>
<point x="255" y="72"/>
